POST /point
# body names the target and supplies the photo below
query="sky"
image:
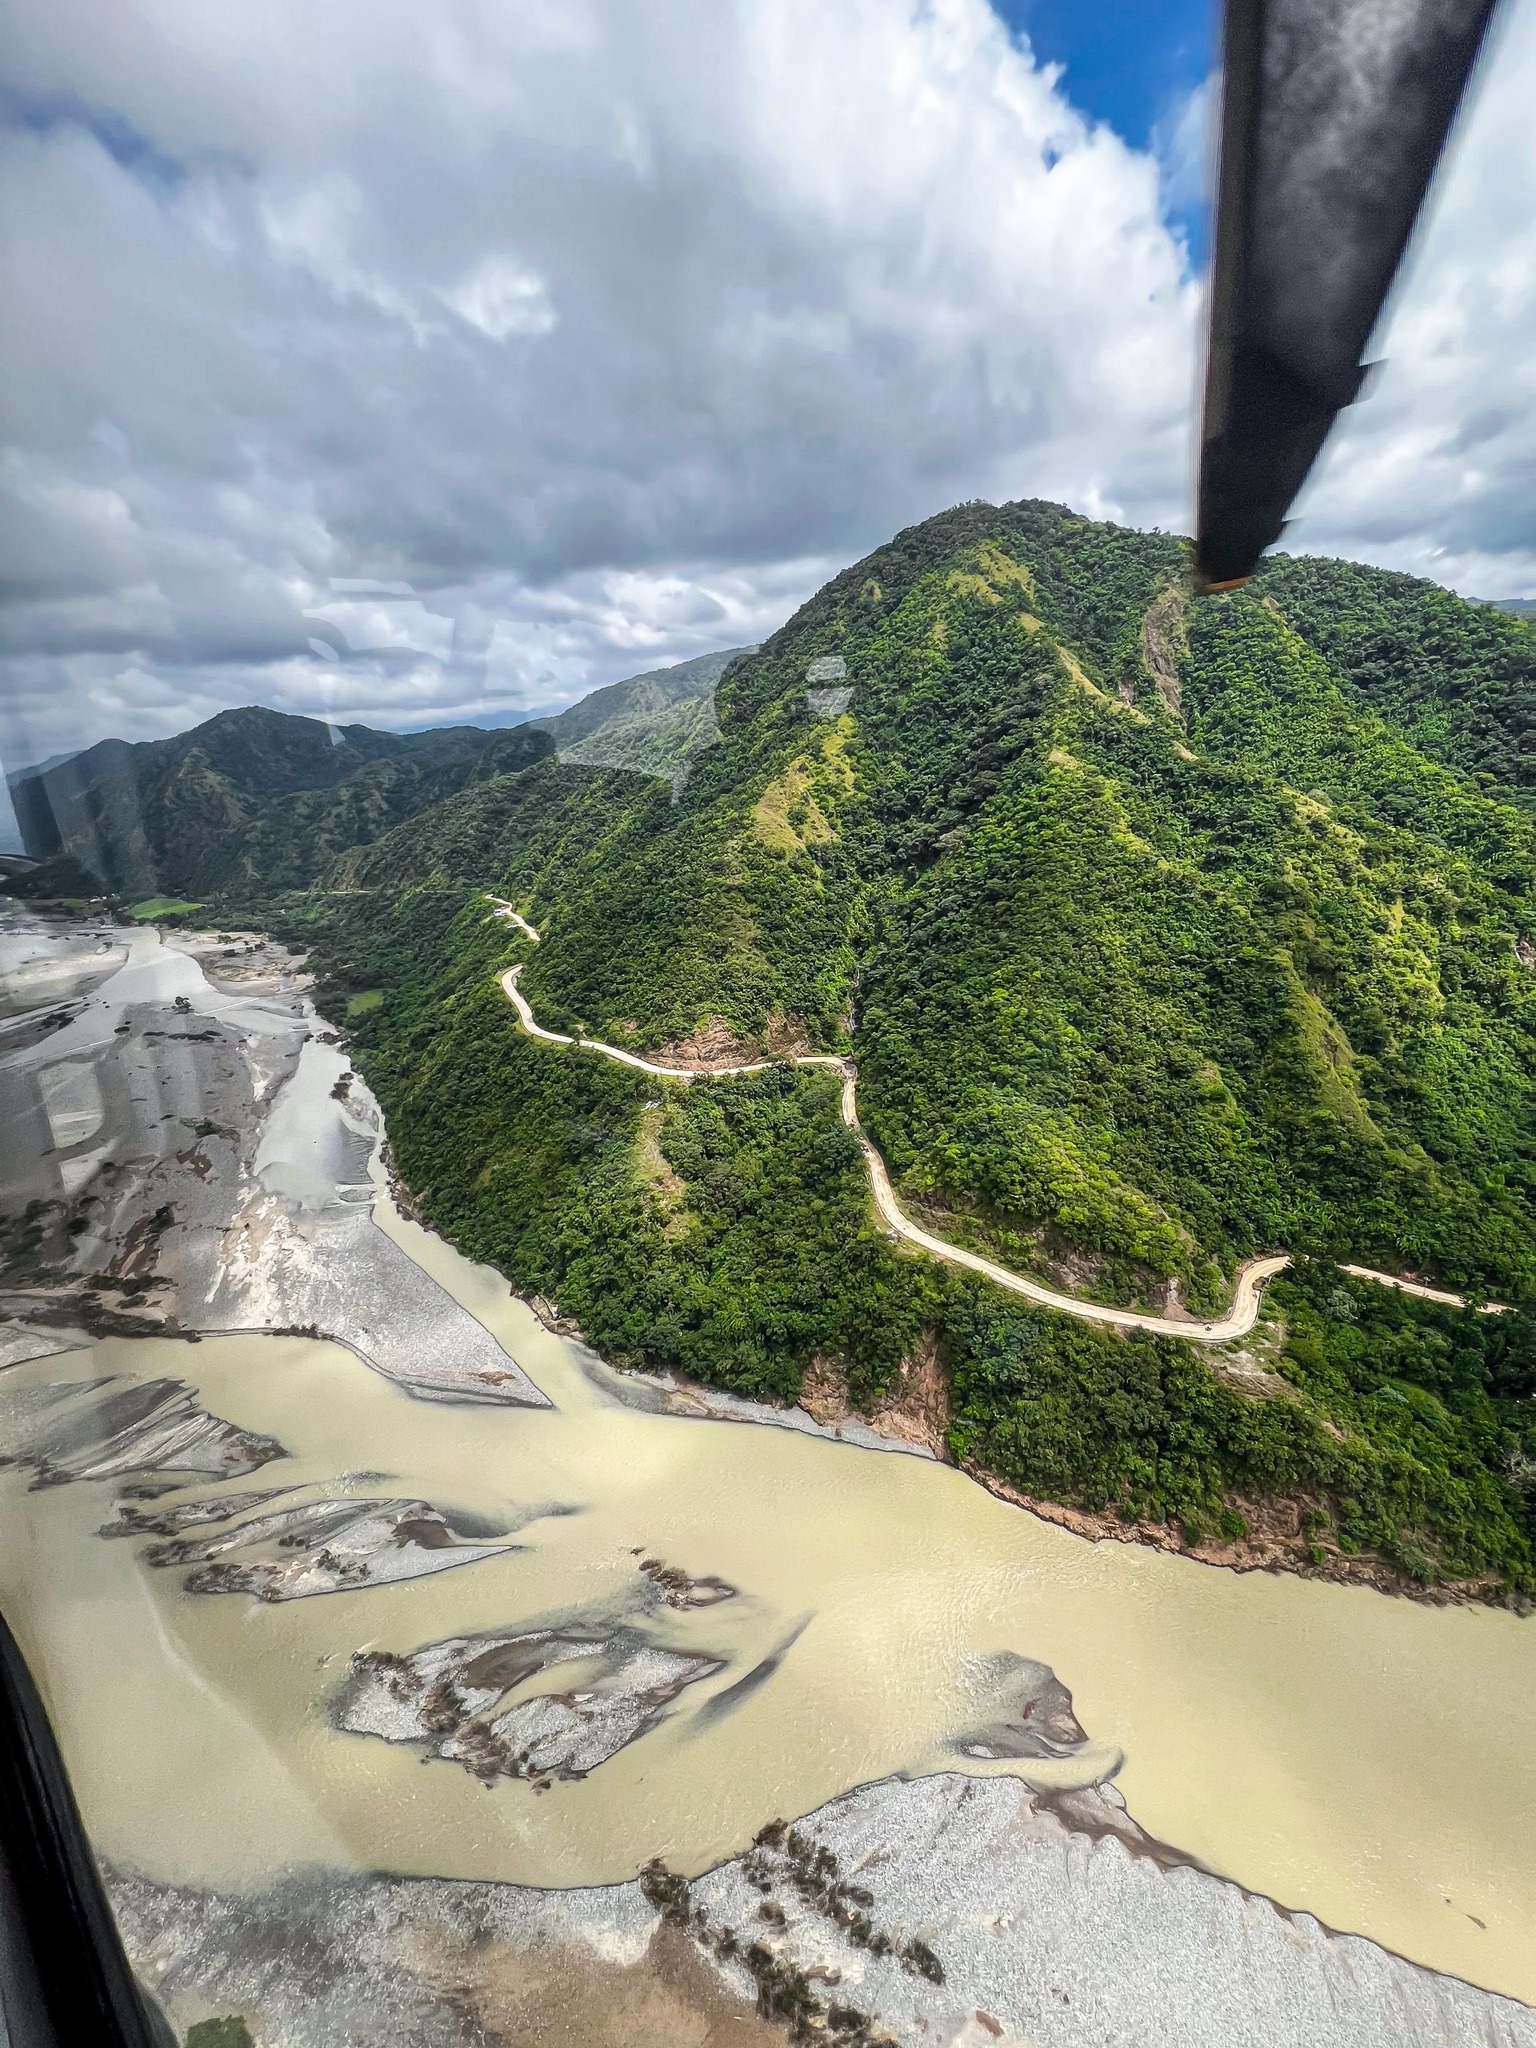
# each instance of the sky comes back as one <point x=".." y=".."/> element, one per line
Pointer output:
<point x="419" y="363"/>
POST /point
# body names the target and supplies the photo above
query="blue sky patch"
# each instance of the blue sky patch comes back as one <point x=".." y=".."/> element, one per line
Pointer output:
<point x="1133" y="65"/>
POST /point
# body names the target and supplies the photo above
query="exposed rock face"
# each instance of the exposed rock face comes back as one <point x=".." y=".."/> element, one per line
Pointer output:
<point x="953" y="1910"/>
<point x="1164" y="643"/>
<point x="916" y="1410"/>
<point x="824" y="1392"/>
<point x="713" y="1044"/>
<point x="449" y="1696"/>
<point x="181" y="1162"/>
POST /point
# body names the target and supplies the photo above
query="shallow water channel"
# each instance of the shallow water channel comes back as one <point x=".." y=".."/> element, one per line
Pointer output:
<point x="1366" y="1759"/>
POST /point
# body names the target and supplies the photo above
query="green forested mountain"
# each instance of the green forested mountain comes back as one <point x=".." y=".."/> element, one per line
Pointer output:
<point x="1164" y="932"/>
<point x="250" y="797"/>
<point x="1458" y="679"/>
<point x="291" y="841"/>
<point x="1159" y="946"/>
<point x="653" y="723"/>
<point x="662" y="742"/>
<point x="256" y="800"/>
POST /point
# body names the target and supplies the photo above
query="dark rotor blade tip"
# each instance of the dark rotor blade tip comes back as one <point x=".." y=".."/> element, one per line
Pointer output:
<point x="1334" y="115"/>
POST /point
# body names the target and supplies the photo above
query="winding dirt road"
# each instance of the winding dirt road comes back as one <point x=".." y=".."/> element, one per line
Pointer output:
<point x="1251" y="1274"/>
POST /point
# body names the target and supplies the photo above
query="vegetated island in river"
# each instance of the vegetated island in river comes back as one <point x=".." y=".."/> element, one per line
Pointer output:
<point x="1167" y="933"/>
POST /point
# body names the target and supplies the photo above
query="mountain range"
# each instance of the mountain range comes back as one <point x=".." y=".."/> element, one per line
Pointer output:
<point x="654" y="723"/>
<point x="255" y="798"/>
<point x="1165" y="931"/>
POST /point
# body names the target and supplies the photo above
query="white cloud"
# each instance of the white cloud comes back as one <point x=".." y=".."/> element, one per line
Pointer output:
<point x="501" y="297"/>
<point x="529" y="660"/>
<point x="604" y="332"/>
<point x="1435" y="471"/>
<point x="1182" y="143"/>
<point x="387" y="622"/>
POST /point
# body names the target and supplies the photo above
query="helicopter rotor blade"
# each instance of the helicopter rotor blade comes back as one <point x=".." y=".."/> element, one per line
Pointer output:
<point x="1334" y="115"/>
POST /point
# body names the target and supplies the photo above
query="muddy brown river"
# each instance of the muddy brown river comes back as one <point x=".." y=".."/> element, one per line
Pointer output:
<point x="1366" y="1759"/>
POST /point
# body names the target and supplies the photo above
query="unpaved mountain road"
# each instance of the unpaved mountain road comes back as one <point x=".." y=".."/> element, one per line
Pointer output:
<point x="1251" y="1274"/>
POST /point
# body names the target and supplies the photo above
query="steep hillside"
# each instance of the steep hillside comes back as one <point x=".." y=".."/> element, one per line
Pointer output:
<point x="663" y="742"/>
<point x="1458" y="679"/>
<point x="170" y="815"/>
<point x="651" y="695"/>
<point x="259" y="800"/>
<point x="1159" y="946"/>
<point x="1160" y="940"/>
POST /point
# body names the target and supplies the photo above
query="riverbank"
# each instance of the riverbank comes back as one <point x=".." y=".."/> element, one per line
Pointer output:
<point x="879" y="1606"/>
<point x="968" y="1911"/>
<point x="1278" y="1539"/>
<point x="190" y="1158"/>
<point x="1281" y="1535"/>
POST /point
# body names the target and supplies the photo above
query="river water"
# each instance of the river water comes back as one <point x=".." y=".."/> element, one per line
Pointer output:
<point x="1363" y="1758"/>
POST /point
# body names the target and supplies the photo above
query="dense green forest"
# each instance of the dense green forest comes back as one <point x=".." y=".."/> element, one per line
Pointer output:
<point x="251" y="800"/>
<point x="1459" y="679"/>
<point x="724" y="1229"/>
<point x="1165" y="931"/>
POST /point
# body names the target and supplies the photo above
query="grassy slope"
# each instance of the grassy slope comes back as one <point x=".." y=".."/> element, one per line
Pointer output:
<point x="1159" y="944"/>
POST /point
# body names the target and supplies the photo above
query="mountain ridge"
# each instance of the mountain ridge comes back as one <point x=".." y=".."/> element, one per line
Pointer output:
<point x="1160" y="944"/>
<point x="141" y="818"/>
<point x="654" y="691"/>
<point x="1167" y="932"/>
